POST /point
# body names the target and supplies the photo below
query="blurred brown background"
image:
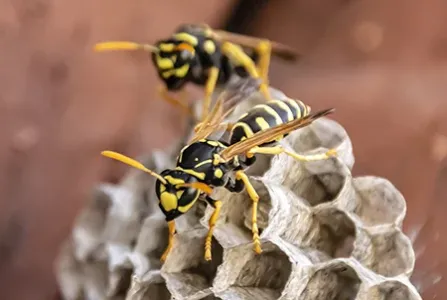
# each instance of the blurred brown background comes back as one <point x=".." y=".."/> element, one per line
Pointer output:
<point x="381" y="63"/>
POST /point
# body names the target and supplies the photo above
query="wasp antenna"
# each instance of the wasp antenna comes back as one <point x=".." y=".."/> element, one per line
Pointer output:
<point x="123" y="45"/>
<point x="132" y="162"/>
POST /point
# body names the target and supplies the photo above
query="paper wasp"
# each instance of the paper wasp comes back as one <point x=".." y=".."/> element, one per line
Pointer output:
<point x="207" y="163"/>
<point x="206" y="57"/>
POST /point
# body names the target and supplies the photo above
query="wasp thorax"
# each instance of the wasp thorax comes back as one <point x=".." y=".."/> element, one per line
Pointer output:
<point x="174" y="198"/>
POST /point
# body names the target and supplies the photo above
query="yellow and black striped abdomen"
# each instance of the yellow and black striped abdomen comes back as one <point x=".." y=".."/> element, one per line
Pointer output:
<point x="265" y="116"/>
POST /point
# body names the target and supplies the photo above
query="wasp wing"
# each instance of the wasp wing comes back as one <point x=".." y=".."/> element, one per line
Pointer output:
<point x="225" y="104"/>
<point x="270" y="134"/>
<point x="210" y="123"/>
<point x="278" y="49"/>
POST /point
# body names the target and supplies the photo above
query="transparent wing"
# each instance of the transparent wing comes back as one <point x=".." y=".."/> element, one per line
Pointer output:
<point x="270" y="134"/>
<point x="278" y="49"/>
<point x="225" y="104"/>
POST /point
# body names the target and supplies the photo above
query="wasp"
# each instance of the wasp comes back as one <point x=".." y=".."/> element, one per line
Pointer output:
<point x="206" y="57"/>
<point x="206" y="163"/>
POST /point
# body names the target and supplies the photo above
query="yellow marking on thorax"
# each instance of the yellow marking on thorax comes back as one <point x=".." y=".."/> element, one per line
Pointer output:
<point x="164" y="63"/>
<point x="162" y="188"/>
<point x="216" y="159"/>
<point x="179" y="193"/>
<point x="209" y="46"/>
<point x="243" y="116"/>
<point x="221" y="145"/>
<point x="208" y="161"/>
<point x="174" y="181"/>
<point x="181" y="153"/>
<point x="186" y="37"/>
<point x="212" y="143"/>
<point x="218" y="173"/>
<point x="285" y="107"/>
<point x="247" y="130"/>
<point x="180" y="72"/>
<point x="215" y="143"/>
<point x="271" y="112"/>
<point x="166" y="47"/>
<point x="262" y="123"/>
<point x="168" y="201"/>
<point x="184" y="209"/>
<point x="199" y="175"/>
<point x="208" y="32"/>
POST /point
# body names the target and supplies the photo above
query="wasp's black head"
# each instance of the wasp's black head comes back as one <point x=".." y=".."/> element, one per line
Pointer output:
<point x="176" y="200"/>
<point x="173" y="61"/>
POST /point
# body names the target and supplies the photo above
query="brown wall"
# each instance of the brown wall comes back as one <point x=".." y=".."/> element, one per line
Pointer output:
<point x="380" y="63"/>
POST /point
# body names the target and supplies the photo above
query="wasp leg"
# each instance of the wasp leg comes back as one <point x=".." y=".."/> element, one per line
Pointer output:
<point x="264" y="50"/>
<point x="240" y="175"/>
<point x="212" y="223"/>
<point x="210" y="85"/>
<point x="163" y="92"/>
<point x="235" y="186"/>
<point x="279" y="149"/>
<point x="171" y="226"/>
<point x="236" y="54"/>
<point x="250" y="158"/>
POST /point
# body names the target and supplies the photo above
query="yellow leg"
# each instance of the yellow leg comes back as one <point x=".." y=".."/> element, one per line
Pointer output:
<point x="163" y="92"/>
<point x="264" y="50"/>
<point x="171" y="226"/>
<point x="237" y="55"/>
<point x="279" y="149"/>
<point x="212" y="223"/>
<point x="209" y="89"/>
<point x="240" y="175"/>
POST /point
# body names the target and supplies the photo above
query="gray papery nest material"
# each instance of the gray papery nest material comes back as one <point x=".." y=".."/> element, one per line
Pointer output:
<point x="326" y="235"/>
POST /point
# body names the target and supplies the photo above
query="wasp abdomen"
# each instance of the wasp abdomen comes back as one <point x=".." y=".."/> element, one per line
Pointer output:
<point x="264" y="116"/>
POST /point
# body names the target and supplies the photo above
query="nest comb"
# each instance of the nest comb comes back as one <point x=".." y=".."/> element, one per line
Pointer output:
<point x="325" y="234"/>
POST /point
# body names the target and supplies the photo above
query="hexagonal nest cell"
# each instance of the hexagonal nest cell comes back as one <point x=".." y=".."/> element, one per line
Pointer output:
<point x="324" y="234"/>
<point x="244" y="275"/>
<point x="334" y="282"/>
<point x="380" y="201"/>
<point x="187" y="274"/>
<point x="391" y="290"/>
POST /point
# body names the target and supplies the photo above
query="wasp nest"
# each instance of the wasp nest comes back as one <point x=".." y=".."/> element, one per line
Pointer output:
<point x="325" y="234"/>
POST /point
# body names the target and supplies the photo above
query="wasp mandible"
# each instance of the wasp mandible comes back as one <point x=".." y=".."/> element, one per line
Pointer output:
<point x="206" y="57"/>
<point x="207" y="163"/>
